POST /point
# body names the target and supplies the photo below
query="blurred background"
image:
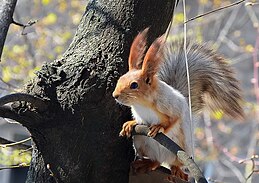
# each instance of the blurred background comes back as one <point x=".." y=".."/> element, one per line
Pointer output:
<point x="225" y="149"/>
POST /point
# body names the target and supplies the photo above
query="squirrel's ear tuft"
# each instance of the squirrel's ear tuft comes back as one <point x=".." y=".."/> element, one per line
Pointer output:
<point x="153" y="58"/>
<point x="137" y="50"/>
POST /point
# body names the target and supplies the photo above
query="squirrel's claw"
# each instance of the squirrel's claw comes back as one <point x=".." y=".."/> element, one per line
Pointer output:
<point x="154" y="129"/>
<point x="127" y="128"/>
<point x="177" y="172"/>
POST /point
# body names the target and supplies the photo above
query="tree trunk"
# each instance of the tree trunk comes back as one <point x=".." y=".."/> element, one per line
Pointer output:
<point x="76" y="138"/>
<point x="6" y="12"/>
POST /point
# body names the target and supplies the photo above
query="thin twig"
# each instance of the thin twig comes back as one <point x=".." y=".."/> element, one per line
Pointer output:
<point x="223" y="33"/>
<point x="233" y="46"/>
<point x="252" y="15"/>
<point x="25" y="150"/>
<point x="21" y="165"/>
<point x="17" y="23"/>
<point x="188" y="79"/>
<point x="15" y="143"/>
<point x="170" y="24"/>
<point x="213" y="11"/>
<point x="254" y="170"/>
<point x="230" y="156"/>
<point x="234" y="169"/>
<point x="8" y="84"/>
<point x="251" y="4"/>
<point x="31" y="50"/>
<point x="4" y="141"/>
<point x="28" y="24"/>
<point x="253" y="141"/>
<point x="168" y="30"/>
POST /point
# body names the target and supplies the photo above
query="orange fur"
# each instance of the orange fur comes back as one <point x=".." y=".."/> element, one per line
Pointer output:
<point x="150" y="93"/>
<point x="145" y="94"/>
<point x="144" y="165"/>
<point x="180" y="137"/>
<point x="137" y="50"/>
<point x="177" y="172"/>
<point x="167" y="122"/>
<point x="153" y="58"/>
<point x="127" y="128"/>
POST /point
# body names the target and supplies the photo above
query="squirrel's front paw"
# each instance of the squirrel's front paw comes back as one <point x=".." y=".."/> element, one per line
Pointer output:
<point x="154" y="129"/>
<point x="127" y="128"/>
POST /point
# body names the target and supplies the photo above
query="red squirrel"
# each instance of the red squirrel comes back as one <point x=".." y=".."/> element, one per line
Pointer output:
<point x="155" y="88"/>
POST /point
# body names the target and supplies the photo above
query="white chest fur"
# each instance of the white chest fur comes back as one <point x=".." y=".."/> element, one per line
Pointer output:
<point x="144" y="115"/>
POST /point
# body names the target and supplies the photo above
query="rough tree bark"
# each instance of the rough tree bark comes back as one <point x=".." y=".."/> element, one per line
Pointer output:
<point x="6" y="12"/>
<point x="76" y="138"/>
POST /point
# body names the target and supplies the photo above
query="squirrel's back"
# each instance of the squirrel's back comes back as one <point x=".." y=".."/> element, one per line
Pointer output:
<point x="212" y="80"/>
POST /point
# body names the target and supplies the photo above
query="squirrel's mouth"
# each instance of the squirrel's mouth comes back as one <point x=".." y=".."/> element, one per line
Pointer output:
<point x="122" y="102"/>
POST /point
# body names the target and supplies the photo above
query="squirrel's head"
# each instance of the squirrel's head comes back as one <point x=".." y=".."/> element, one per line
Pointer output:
<point x="140" y="81"/>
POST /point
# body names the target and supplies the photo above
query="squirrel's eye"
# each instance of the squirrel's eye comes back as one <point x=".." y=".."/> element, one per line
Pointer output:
<point x="134" y="85"/>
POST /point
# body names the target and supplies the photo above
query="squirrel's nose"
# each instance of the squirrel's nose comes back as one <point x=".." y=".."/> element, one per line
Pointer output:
<point x="116" y="96"/>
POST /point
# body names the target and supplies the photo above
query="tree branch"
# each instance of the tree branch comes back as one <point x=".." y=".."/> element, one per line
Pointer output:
<point x="6" y="14"/>
<point x="174" y="148"/>
<point x="35" y="101"/>
<point x="216" y="10"/>
<point x="6" y="143"/>
<point x="26" y="150"/>
<point x="8" y="84"/>
<point x="27" y="118"/>
<point x="7" y="112"/>
<point x="21" y="165"/>
<point x="30" y="23"/>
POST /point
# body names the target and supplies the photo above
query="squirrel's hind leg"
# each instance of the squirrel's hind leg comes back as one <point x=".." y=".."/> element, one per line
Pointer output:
<point x="177" y="172"/>
<point x="144" y="165"/>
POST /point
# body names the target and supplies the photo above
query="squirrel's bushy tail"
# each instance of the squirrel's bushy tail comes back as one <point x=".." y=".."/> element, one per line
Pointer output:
<point x="212" y="80"/>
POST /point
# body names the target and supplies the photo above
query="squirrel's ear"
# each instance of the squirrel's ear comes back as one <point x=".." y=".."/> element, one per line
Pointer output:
<point x="153" y="58"/>
<point x="137" y="50"/>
